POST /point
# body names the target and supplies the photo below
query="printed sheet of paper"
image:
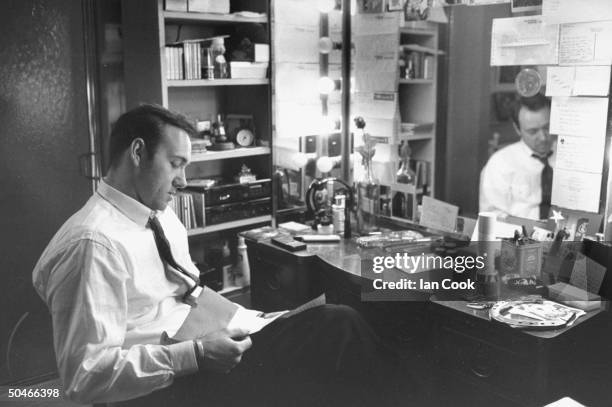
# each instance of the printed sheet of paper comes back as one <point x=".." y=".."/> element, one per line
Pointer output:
<point x="439" y="214"/>
<point x="592" y="80"/>
<point x="586" y="43"/>
<point x="579" y="115"/>
<point x="252" y="321"/>
<point x="572" y="11"/>
<point x="382" y="105"/>
<point x="560" y="80"/>
<point x="576" y="190"/>
<point x="524" y="41"/>
<point x="378" y="23"/>
<point x="577" y="153"/>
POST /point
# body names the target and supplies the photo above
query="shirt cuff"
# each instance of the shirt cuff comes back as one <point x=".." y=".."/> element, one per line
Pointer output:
<point x="183" y="358"/>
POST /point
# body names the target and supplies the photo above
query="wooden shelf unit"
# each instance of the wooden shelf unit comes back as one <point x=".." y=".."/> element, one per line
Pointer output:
<point x="147" y="28"/>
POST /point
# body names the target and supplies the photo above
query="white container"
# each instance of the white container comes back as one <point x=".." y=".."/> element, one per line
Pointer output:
<point x="209" y="6"/>
<point x="248" y="70"/>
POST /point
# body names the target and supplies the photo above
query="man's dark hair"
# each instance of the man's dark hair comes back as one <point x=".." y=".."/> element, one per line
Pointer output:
<point x="146" y="122"/>
<point x="533" y="103"/>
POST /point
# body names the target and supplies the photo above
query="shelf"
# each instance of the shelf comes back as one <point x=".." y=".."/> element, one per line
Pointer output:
<point x="235" y="153"/>
<point x="416" y="81"/>
<point x="193" y="83"/>
<point x="417" y="31"/>
<point x="211" y="18"/>
<point x="229" y="225"/>
<point x="415" y="137"/>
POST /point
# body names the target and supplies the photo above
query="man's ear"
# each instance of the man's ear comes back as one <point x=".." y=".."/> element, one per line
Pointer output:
<point x="138" y="150"/>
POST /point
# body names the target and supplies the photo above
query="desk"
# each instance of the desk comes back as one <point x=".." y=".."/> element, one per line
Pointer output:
<point x="463" y="358"/>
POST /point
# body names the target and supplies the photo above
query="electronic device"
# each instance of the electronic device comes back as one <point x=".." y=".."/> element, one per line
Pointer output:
<point x="318" y="238"/>
<point x="239" y="210"/>
<point x="288" y="243"/>
<point x="232" y="193"/>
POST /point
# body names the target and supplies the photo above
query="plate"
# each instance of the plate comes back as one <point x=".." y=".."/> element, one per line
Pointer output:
<point x="534" y="314"/>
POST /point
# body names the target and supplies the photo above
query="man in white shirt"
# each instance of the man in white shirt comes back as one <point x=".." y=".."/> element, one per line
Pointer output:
<point x="517" y="180"/>
<point x="112" y="293"/>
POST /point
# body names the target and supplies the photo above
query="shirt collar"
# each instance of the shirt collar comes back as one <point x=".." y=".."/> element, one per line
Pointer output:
<point x="529" y="152"/>
<point x="130" y="207"/>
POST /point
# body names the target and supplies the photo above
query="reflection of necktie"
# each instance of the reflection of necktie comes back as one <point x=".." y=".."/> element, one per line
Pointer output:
<point x="163" y="247"/>
<point x="546" y="182"/>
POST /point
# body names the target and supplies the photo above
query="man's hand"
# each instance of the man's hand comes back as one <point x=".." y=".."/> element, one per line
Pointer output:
<point x="223" y="349"/>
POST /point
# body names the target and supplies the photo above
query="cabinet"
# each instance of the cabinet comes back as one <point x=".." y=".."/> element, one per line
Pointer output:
<point x="147" y="29"/>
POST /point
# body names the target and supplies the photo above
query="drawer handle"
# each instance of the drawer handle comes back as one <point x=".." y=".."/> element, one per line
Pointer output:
<point x="480" y="366"/>
<point x="273" y="282"/>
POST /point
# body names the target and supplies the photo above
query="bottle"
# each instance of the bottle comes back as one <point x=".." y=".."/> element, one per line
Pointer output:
<point x="226" y="266"/>
<point x="406" y="175"/>
<point x="217" y="50"/>
<point x="241" y="268"/>
<point x="338" y="213"/>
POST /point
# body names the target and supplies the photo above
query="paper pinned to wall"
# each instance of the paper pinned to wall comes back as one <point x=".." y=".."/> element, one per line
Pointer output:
<point x="586" y="43"/>
<point x="524" y="41"/>
<point x="560" y="80"/>
<point x="578" y="81"/>
<point x="584" y="154"/>
<point x="592" y="81"/>
<point x="579" y="115"/>
<point x="572" y="11"/>
<point x="439" y="214"/>
<point x="576" y="190"/>
<point x="377" y="23"/>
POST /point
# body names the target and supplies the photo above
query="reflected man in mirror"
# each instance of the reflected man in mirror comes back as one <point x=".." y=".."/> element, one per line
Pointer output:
<point x="517" y="180"/>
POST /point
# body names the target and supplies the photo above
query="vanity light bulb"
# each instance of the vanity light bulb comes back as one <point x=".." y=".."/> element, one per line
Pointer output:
<point x="325" y="6"/>
<point x="326" y="85"/>
<point x="300" y="160"/>
<point x="325" y="45"/>
<point x="325" y="164"/>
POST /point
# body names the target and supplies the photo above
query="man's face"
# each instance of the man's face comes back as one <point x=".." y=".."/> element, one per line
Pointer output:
<point x="533" y="129"/>
<point x="162" y="173"/>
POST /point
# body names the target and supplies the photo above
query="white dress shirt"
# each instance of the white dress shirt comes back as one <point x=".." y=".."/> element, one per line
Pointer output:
<point x="510" y="182"/>
<point x="110" y="299"/>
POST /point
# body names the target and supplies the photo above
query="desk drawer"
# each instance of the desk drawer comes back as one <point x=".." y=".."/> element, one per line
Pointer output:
<point x="485" y="363"/>
<point x="276" y="286"/>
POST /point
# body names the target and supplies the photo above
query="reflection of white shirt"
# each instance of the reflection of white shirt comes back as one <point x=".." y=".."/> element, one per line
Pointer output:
<point x="110" y="299"/>
<point x="510" y="182"/>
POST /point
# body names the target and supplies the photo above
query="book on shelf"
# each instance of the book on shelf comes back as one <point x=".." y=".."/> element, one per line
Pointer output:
<point x="189" y="208"/>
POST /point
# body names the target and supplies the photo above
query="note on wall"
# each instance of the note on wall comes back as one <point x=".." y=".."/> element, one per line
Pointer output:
<point x="586" y="43"/>
<point x="438" y="214"/>
<point x="377" y="23"/>
<point x="592" y="81"/>
<point x="524" y="41"/>
<point x="576" y="190"/>
<point x="579" y="115"/>
<point x="578" y="81"/>
<point x="572" y="11"/>
<point x="578" y="153"/>
<point x="560" y="80"/>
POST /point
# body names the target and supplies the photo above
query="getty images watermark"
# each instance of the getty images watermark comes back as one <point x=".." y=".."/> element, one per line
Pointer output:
<point x="402" y="276"/>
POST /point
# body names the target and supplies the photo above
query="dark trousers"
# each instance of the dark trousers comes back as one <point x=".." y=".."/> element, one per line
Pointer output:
<point x="325" y="356"/>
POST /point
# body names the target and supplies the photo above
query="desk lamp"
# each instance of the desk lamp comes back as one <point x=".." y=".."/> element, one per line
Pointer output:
<point x="321" y="184"/>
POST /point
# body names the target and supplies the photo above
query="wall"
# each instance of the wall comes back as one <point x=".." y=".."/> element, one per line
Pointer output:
<point x="43" y="116"/>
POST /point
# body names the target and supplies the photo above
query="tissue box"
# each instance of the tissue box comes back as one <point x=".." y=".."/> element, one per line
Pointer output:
<point x="209" y="6"/>
<point x="248" y="70"/>
<point x="520" y="260"/>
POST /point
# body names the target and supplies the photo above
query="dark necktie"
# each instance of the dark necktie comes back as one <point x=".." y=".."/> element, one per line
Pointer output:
<point x="546" y="182"/>
<point x="163" y="247"/>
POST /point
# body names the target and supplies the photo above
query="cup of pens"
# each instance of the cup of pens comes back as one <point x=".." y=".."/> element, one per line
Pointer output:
<point x="521" y="257"/>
